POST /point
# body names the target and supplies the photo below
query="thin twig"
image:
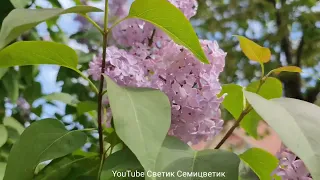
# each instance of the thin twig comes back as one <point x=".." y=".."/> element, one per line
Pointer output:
<point x="242" y="115"/>
<point x="235" y="125"/>
<point x="100" y="95"/>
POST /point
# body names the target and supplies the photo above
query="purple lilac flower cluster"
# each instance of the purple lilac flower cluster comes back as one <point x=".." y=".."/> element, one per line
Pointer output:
<point x="290" y="168"/>
<point x="155" y="61"/>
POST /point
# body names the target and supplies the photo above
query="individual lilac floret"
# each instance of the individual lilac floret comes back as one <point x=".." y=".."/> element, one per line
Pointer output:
<point x="289" y="168"/>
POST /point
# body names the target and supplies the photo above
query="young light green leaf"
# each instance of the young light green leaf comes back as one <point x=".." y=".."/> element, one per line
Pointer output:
<point x="296" y="122"/>
<point x="254" y="51"/>
<point x="287" y="69"/>
<point x="120" y="161"/>
<point x="86" y="106"/>
<point x="62" y="97"/>
<point x="3" y="71"/>
<point x="234" y="101"/>
<point x="13" y="123"/>
<point x="43" y="140"/>
<point x="145" y="123"/>
<point x="260" y="161"/>
<point x="272" y="88"/>
<point x="3" y="135"/>
<point x="13" y="25"/>
<point x="171" y="20"/>
<point x="177" y="156"/>
<point x="20" y="3"/>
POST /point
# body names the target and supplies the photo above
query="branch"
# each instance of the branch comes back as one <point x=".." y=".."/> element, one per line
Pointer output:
<point x="100" y="94"/>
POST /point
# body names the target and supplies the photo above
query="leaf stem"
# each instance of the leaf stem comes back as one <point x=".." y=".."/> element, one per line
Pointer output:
<point x="94" y="88"/>
<point x="117" y="22"/>
<point x="235" y="125"/>
<point x="93" y="23"/>
<point x="101" y="163"/>
<point x="242" y="115"/>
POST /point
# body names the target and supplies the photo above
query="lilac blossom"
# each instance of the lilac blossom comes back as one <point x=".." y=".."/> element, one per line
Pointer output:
<point x="289" y="167"/>
<point x="153" y="60"/>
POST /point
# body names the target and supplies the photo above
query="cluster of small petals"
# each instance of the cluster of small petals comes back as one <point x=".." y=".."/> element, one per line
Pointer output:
<point x="124" y="68"/>
<point x="188" y="7"/>
<point x="289" y="168"/>
<point x="132" y="31"/>
<point x="95" y="68"/>
<point x="192" y="87"/>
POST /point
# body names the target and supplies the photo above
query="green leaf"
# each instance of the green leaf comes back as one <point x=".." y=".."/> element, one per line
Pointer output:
<point x="3" y="135"/>
<point x="33" y="92"/>
<point x="254" y="51"/>
<point x="86" y="106"/>
<point x="62" y="97"/>
<point x="85" y="168"/>
<point x="261" y="162"/>
<point x="11" y="84"/>
<point x="120" y="161"/>
<point x="5" y="8"/>
<point x="272" y="88"/>
<point x="43" y="140"/>
<point x="13" y="25"/>
<point x="145" y="123"/>
<point x="297" y="124"/>
<point x="3" y="71"/>
<point x="287" y="69"/>
<point x="171" y="20"/>
<point x="55" y="3"/>
<point x="57" y="169"/>
<point x="234" y="101"/>
<point x="112" y="139"/>
<point x="13" y="123"/>
<point x="64" y="167"/>
<point x="176" y="156"/>
<point x="13" y="135"/>
<point x="38" y="52"/>
<point x="2" y="169"/>
<point x="20" y="3"/>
